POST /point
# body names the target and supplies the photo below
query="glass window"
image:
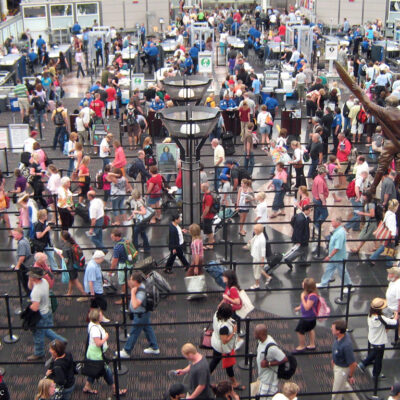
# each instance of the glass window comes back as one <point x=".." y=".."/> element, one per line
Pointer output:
<point x="61" y="10"/>
<point x="87" y="9"/>
<point x="395" y="6"/>
<point x="35" y="12"/>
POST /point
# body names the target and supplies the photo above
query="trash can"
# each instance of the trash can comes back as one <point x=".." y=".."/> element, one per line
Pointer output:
<point x="3" y="103"/>
<point x="280" y="96"/>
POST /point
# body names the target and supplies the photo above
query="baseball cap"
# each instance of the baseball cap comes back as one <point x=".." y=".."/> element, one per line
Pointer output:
<point x="176" y="389"/>
<point x="98" y="254"/>
<point x="395" y="389"/>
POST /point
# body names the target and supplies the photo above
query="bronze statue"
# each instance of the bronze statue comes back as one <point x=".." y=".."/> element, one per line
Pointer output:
<point x="388" y="118"/>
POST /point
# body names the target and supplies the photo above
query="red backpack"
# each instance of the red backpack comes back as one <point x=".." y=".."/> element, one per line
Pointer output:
<point x="78" y="257"/>
<point x="351" y="189"/>
<point x="361" y="116"/>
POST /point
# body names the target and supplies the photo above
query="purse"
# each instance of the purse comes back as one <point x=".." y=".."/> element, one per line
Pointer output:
<point x="247" y="305"/>
<point x="255" y="388"/>
<point x="389" y="250"/>
<point x="382" y="232"/>
<point x="142" y="219"/>
<point x="205" y="339"/>
<point x="93" y="368"/>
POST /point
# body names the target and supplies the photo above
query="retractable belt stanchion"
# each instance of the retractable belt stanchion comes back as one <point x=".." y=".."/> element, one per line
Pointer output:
<point x="10" y="338"/>
<point x="230" y="254"/>
<point x="18" y="311"/>
<point x="348" y="307"/>
<point x="121" y="369"/>
<point x="7" y="171"/>
<point x="340" y="300"/>
<point x="244" y="364"/>
<point x="123" y="337"/>
<point x="116" y="379"/>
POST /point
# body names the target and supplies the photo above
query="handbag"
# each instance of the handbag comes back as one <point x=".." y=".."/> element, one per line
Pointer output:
<point x="93" y="368"/>
<point x="382" y="232"/>
<point x="195" y="283"/>
<point x="389" y="250"/>
<point x="255" y="388"/>
<point x="229" y="361"/>
<point x="205" y="339"/>
<point x="142" y="219"/>
<point x="247" y="305"/>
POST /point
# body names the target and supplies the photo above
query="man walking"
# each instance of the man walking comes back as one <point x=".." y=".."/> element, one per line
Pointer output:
<point x="388" y="189"/>
<point x="337" y="253"/>
<point x="320" y="194"/>
<point x="175" y="244"/>
<point x="60" y="120"/>
<point x="141" y="317"/>
<point x="40" y="301"/>
<point x="219" y="160"/>
<point x="22" y="94"/>
<point x="344" y="363"/>
<point x="96" y="215"/>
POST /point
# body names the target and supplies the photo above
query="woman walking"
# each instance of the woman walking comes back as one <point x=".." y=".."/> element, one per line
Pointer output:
<point x="139" y="226"/>
<point x="243" y="203"/>
<point x="65" y="204"/>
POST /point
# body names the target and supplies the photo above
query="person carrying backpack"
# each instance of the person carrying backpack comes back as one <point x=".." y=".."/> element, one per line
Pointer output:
<point x="268" y="362"/>
<point x="141" y="317"/>
<point x="60" y="119"/>
<point x="132" y="124"/>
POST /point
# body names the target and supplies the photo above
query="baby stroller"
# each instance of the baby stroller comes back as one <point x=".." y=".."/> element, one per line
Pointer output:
<point x="169" y="204"/>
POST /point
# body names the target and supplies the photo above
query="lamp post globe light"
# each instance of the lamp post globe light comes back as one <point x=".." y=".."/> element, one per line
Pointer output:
<point x="189" y="125"/>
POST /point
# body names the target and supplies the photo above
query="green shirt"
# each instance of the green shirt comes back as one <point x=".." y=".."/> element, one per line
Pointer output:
<point x="20" y="91"/>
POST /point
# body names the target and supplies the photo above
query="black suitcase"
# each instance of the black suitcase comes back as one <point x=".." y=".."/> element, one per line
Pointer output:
<point x="83" y="212"/>
<point x="228" y="143"/>
<point x="273" y="262"/>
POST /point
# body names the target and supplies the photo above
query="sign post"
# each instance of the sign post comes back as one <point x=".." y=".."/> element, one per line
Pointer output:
<point x="331" y="53"/>
<point x="137" y="82"/>
<point x="205" y="62"/>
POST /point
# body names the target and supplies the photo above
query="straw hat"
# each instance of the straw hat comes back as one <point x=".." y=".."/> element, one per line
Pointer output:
<point x="378" y="303"/>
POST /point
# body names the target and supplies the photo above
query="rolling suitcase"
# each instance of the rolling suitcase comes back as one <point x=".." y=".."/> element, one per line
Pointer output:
<point x="228" y="143"/>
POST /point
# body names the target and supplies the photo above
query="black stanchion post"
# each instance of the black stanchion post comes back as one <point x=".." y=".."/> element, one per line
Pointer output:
<point x="123" y="337"/>
<point x="340" y="299"/>
<point x="121" y="369"/>
<point x="234" y="264"/>
<point x="244" y="364"/>
<point x="7" y="172"/>
<point x="55" y="209"/>
<point x="116" y="379"/>
<point x="230" y="254"/>
<point x="10" y="338"/>
<point x="250" y="374"/>
<point x="319" y="239"/>
<point x="348" y="307"/>
<point x="40" y="126"/>
<point x="18" y="311"/>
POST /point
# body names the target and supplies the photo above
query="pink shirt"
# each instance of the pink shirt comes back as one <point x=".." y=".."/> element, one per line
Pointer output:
<point x="319" y="187"/>
<point x="197" y="248"/>
<point x="281" y="175"/>
<point x="120" y="159"/>
<point x="24" y="217"/>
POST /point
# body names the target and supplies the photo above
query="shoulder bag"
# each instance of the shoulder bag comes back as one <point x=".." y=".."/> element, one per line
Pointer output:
<point x="247" y="305"/>
<point x="93" y="368"/>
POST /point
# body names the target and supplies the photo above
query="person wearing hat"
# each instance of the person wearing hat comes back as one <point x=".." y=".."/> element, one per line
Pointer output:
<point x="393" y="296"/>
<point x="40" y="301"/>
<point x="377" y="336"/>
<point x="28" y="142"/>
<point x="93" y="282"/>
<point x="395" y="392"/>
<point x="175" y="392"/>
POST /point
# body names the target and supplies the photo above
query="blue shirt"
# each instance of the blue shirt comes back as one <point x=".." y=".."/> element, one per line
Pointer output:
<point x="142" y="30"/>
<point x="76" y="28"/>
<point x="98" y="45"/>
<point x="256" y="85"/>
<point x="342" y="352"/>
<point x="225" y="104"/>
<point x="370" y="34"/>
<point x="119" y="252"/>
<point x="235" y="27"/>
<point x="85" y="36"/>
<point x="257" y="46"/>
<point x="157" y="105"/>
<point x="299" y="64"/>
<point x="188" y="63"/>
<point x="40" y="42"/>
<point x="93" y="274"/>
<point x="338" y="241"/>
<point x="194" y="52"/>
<point x="94" y="88"/>
<point x="86" y="99"/>
<point x="141" y="296"/>
<point x="152" y="51"/>
<point x="271" y="103"/>
<point x="32" y="56"/>
<point x="337" y="120"/>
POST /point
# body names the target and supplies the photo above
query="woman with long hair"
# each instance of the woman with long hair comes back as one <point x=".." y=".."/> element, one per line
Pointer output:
<point x="84" y="179"/>
<point x="61" y="369"/>
<point x="309" y="300"/>
<point x="67" y="247"/>
<point x="231" y="294"/>
<point x="243" y="203"/>
<point x="65" y="204"/>
<point x="46" y="389"/>
<point x="139" y="228"/>
<point x="297" y="162"/>
<point x="155" y="185"/>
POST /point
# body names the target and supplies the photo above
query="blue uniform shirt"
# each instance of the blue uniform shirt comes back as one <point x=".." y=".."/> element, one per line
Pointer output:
<point x="157" y="105"/>
<point x="32" y="56"/>
<point x="271" y="103"/>
<point x="94" y="88"/>
<point x="257" y="46"/>
<point x="337" y="120"/>
<point x="98" y="45"/>
<point x="40" y="42"/>
<point x="152" y="51"/>
<point x="225" y="104"/>
<point x="194" y="52"/>
<point x="76" y="28"/>
<point x="338" y="241"/>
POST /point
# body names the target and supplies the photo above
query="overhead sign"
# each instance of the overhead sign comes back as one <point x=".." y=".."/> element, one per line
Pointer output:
<point x="138" y="82"/>
<point x="331" y="51"/>
<point x="205" y="62"/>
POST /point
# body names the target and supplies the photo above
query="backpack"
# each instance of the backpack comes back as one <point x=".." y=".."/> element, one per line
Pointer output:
<point x="379" y="211"/>
<point x="78" y="257"/>
<point x="287" y="369"/>
<point x="40" y="103"/>
<point x="243" y="174"/>
<point x="361" y="116"/>
<point x="130" y="250"/>
<point x="58" y="118"/>
<point x="346" y="110"/>
<point x="323" y="310"/>
<point x="131" y="118"/>
<point x="216" y="203"/>
<point x="133" y="170"/>
<point x="351" y="189"/>
<point x="157" y="287"/>
<point x="99" y="180"/>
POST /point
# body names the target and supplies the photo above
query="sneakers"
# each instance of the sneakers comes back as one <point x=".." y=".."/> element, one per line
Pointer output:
<point x="123" y="354"/>
<point x="268" y="280"/>
<point x="255" y="287"/>
<point x="346" y="290"/>
<point x="82" y="299"/>
<point x="150" y="350"/>
<point x="321" y="286"/>
<point x="34" y="357"/>
<point x="105" y="320"/>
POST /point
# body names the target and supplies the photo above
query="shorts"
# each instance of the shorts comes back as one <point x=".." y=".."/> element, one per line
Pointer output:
<point x="305" y="325"/>
<point x="111" y="105"/>
<point x="243" y="210"/>
<point x="343" y="167"/>
<point x="133" y="130"/>
<point x="153" y="200"/>
<point x="121" y="273"/>
<point x="207" y="226"/>
<point x="23" y="104"/>
<point x="73" y="274"/>
<point x="357" y="128"/>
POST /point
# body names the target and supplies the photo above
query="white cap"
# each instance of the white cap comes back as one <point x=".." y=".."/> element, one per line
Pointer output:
<point x="98" y="254"/>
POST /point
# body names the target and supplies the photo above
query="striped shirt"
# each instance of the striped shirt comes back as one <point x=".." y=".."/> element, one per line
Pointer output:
<point x="197" y="248"/>
<point x="20" y="91"/>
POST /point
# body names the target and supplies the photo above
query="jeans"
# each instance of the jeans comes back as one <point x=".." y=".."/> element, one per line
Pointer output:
<point x="39" y="334"/>
<point x="217" y="173"/>
<point x="80" y="69"/>
<point x="249" y="162"/>
<point x="106" y="161"/>
<point x="377" y="254"/>
<point x="59" y="137"/>
<point x="330" y="270"/>
<point x="375" y="356"/>
<point x="108" y="376"/>
<point x="70" y="167"/>
<point x="278" y="203"/>
<point x="347" y="123"/>
<point x="140" y="229"/>
<point x="313" y="168"/>
<point x="354" y="222"/>
<point x="320" y="213"/>
<point x="67" y="393"/>
<point x="97" y="239"/>
<point x="49" y="251"/>
<point x="118" y="205"/>
<point x="141" y="322"/>
<point x="38" y="115"/>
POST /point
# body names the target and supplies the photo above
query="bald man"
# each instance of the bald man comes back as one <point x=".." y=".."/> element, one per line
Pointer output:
<point x="269" y="357"/>
<point x="96" y="215"/>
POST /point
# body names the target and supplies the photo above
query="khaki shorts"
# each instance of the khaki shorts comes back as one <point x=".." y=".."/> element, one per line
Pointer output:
<point x="343" y="167"/>
<point x="23" y="104"/>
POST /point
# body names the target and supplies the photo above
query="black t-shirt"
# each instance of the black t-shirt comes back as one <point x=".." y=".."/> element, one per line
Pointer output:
<point x="37" y="169"/>
<point x="315" y="150"/>
<point x="199" y="374"/>
<point x="40" y="227"/>
<point x="63" y="371"/>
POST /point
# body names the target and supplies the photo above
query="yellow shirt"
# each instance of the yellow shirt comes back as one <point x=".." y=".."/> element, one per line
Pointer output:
<point x="211" y="102"/>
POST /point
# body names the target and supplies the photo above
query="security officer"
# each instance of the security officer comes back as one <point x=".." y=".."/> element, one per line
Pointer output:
<point x="272" y="105"/>
<point x="194" y="54"/>
<point x="226" y="103"/>
<point x="157" y="104"/>
<point x="152" y="53"/>
<point x="188" y="64"/>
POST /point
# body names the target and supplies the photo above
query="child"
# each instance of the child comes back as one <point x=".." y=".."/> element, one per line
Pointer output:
<point x="333" y="166"/>
<point x="257" y="250"/>
<point x="106" y="184"/>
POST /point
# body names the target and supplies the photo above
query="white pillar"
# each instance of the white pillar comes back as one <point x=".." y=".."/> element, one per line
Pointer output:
<point x="4" y="9"/>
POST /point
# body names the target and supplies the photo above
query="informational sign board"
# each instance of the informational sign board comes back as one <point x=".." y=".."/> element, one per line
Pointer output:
<point x="138" y="82"/>
<point x="205" y="62"/>
<point x="3" y="146"/>
<point x="167" y="155"/>
<point x="17" y="134"/>
<point x="331" y="51"/>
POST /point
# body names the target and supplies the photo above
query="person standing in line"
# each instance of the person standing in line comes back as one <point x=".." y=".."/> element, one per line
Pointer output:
<point x="337" y="253"/>
<point x="175" y="244"/>
<point x="343" y="361"/>
<point x="96" y="215"/>
<point x="22" y="94"/>
<point x="79" y="61"/>
<point x="219" y="160"/>
<point x="388" y="189"/>
<point x="207" y="216"/>
<point x="320" y="193"/>
<point x="289" y="392"/>
<point x="198" y="371"/>
<point x="60" y="119"/>
<point x="248" y="149"/>
<point x="393" y="297"/>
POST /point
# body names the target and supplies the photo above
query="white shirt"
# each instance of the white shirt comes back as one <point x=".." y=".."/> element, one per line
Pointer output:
<point x="96" y="209"/>
<point x="104" y="148"/>
<point x="391" y="222"/>
<point x="71" y="148"/>
<point x="262" y="212"/>
<point x="262" y="118"/>
<point x="360" y="168"/>
<point x="301" y="78"/>
<point x="376" y="330"/>
<point x="85" y="113"/>
<point x="216" y="342"/>
<point x="28" y="144"/>
<point x="258" y="245"/>
<point x="393" y="295"/>
<point x="219" y="152"/>
<point x="180" y="234"/>
<point x="295" y="56"/>
<point x="54" y="183"/>
<point x="79" y="124"/>
<point x="96" y="331"/>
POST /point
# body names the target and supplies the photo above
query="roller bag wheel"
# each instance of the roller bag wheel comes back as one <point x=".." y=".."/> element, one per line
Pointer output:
<point x="83" y="212"/>
<point x="274" y="261"/>
<point x="228" y="143"/>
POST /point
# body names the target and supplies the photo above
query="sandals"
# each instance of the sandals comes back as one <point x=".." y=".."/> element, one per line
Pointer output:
<point x="89" y="391"/>
<point x="122" y="392"/>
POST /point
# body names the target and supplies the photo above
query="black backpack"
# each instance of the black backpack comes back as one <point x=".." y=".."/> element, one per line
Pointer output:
<point x="379" y="211"/>
<point x="346" y="110"/>
<point x="131" y="118"/>
<point x="133" y="170"/>
<point x="243" y="174"/>
<point x="58" y="118"/>
<point x="216" y="204"/>
<point x="287" y="369"/>
<point x="40" y="103"/>
<point x="157" y="288"/>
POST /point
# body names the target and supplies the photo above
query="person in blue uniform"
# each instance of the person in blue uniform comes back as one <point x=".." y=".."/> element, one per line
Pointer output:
<point x="99" y="51"/>
<point x="157" y="104"/>
<point x="226" y="103"/>
<point x="194" y="54"/>
<point x="152" y="53"/>
<point x="188" y="64"/>
<point x="142" y="34"/>
<point x="272" y="105"/>
<point x="235" y="28"/>
<point x="76" y="29"/>
<point x="39" y="44"/>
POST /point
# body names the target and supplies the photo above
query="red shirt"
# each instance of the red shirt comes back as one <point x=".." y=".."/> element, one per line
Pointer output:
<point x="155" y="191"/>
<point x="319" y="187"/>
<point x="97" y="106"/>
<point x="304" y="202"/>
<point x="111" y="94"/>
<point x="237" y="17"/>
<point x="343" y="150"/>
<point x="120" y="159"/>
<point x="178" y="181"/>
<point x="233" y="293"/>
<point x="207" y="202"/>
<point x="282" y="30"/>
<point x="244" y="114"/>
